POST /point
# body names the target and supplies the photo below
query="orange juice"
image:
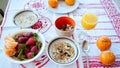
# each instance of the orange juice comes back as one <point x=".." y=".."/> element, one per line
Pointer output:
<point x="89" y="21"/>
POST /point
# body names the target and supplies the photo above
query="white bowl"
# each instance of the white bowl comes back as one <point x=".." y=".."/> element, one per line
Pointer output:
<point x="63" y="20"/>
<point x="25" y="18"/>
<point x="68" y="40"/>
<point x="41" y="38"/>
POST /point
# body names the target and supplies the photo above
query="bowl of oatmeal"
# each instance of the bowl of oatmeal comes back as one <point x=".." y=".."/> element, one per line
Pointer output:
<point x="65" y="26"/>
<point x="25" y="18"/>
<point x="63" y="50"/>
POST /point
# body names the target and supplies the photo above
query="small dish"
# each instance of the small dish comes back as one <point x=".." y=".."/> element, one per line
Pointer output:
<point x="62" y="57"/>
<point x="15" y="59"/>
<point x="63" y="7"/>
<point x="25" y="18"/>
<point x="66" y="22"/>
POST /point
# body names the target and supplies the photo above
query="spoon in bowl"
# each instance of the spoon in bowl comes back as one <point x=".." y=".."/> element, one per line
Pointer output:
<point x="85" y="48"/>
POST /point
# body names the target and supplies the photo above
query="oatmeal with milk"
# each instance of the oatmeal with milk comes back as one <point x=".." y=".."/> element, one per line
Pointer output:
<point x="62" y="51"/>
<point x="25" y="19"/>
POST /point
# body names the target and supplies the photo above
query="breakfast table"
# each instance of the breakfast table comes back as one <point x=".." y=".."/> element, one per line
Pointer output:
<point x="108" y="24"/>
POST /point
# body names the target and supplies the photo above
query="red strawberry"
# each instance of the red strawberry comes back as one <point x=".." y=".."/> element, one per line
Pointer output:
<point x="34" y="49"/>
<point x="26" y="51"/>
<point x="29" y="55"/>
<point x="30" y="41"/>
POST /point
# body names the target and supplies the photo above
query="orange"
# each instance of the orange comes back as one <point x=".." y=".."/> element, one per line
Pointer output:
<point x="10" y="44"/>
<point x="53" y="3"/>
<point x="107" y="57"/>
<point x="10" y="52"/>
<point x="70" y="2"/>
<point x="103" y="43"/>
<point x="9" y="38"/>
<point x="89" y="21"/>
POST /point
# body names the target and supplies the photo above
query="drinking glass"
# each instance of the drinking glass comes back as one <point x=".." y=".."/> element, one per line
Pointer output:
<point x="89" y="21"/>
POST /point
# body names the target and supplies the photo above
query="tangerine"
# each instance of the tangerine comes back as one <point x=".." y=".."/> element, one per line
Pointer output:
<point x="70" y="2"/>
<point x="107" y="57"/>
<point x="103" y="43"/>
<point x="10" y="52"/>
<point x="53" y="3"/>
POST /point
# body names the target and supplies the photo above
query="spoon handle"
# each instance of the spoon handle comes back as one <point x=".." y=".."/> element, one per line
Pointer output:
<point x="88" y="65"/>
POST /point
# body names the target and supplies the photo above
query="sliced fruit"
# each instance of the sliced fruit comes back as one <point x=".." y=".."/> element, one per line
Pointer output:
<point x="9" y="38"/>
<point x="10" y="44"/>
<point x="10" y="52"/>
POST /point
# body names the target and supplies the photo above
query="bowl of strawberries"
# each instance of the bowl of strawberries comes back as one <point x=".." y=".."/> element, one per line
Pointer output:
<point x="24" y="46"/>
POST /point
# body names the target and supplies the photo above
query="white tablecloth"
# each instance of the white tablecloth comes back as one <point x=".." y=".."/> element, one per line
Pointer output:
<point x="108" y="24"/>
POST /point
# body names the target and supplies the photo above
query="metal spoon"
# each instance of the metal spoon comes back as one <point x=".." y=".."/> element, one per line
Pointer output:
<point x="85" y="48"/>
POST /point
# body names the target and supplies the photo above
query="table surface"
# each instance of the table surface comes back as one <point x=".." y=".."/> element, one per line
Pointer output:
<point x="108" y="25"/>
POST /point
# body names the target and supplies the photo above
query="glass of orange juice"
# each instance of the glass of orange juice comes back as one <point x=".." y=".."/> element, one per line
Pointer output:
<point x="89" y="21"/>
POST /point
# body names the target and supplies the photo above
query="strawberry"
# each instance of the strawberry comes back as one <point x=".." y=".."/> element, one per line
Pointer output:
<point x="29" y="55"/>
<point x="30" y="41"/>
<point x="34" y="49"/>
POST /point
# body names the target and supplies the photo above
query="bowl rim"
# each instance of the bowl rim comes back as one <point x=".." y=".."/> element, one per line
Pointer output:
<point x="21" y="11"/>
<point x="39" y="53"/>
<point x="77" y="46"/>
<point x="65" y="18"/>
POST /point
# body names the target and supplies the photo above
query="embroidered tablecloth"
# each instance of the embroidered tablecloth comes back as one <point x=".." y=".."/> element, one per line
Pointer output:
<point x="108" y="24"/>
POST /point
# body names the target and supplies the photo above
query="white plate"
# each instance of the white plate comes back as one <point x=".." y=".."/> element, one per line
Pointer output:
<point x="63" y="7"/>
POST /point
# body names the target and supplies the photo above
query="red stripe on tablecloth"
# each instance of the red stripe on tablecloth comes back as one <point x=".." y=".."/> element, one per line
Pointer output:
<point x="90" y="4"/>
<point x="22" y="66"/>
<point x="39" y="63"/>
<point x="95" y="62"/>
<point x="96" y="14"/>
<point x="90" y="7"/>
<point x="95" y="42"/>
<point x="97" y="57"/>
<point x="44" y="63"/>
<point x="112" y="37"/>
<point x="97" y="29"/>
<point x="9" y="2"/>
<point x="103" y="29"/>
<point x="110" y="14"/>
<point x="104" y="21"/>
<point x="77" y="64"/>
